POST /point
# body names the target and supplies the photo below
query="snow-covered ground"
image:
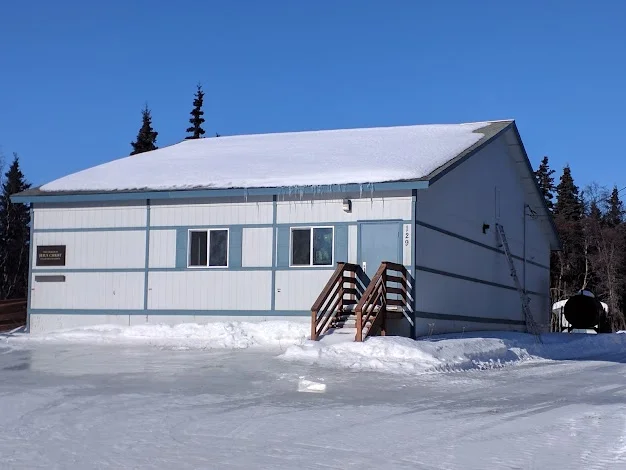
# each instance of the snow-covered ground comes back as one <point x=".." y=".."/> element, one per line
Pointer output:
<point x="235" y="396"/>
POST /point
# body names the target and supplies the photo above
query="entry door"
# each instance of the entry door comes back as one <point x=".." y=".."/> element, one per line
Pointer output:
<point x="379" y="242"/>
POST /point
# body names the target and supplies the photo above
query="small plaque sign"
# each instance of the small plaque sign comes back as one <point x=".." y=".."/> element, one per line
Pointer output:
<point x="51" y="255"/>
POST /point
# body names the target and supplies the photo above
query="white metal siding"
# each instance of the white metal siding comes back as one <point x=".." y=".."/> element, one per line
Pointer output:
<point x="297" y="289"/>
<point x="90" y="216"/>
<point x="220" y="214"/>
<point x="447" y="295"/>
<point x="41" y="323"/>
<point x="331" y="210"/>
<point x="97" y="250"/>
<point x="438" y="251"/>
<point x="256" y="247"/>
<point x="427" y="327"/>
<point x="210" y="290"/>
<point x="90" y="291"/>
<point x="352" y="243"/>
<point x="162" y="249"/>
<point x="461" y="202"/>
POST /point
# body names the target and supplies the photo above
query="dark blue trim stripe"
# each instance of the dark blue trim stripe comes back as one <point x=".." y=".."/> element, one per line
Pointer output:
<point x="413" y="256"/>
<point x="185" y="269"/>
<point x="474" y="242"/>
<point x="147" y="261"/>
<point x="208" y="227"/>
<point x="469" y="318"/>
<point x="91" y="229"/>
<point x="274" y="249"/>
<point x="93" y="270"/>
<point x="472" y="279"/>
<point x="252" y="313"/>
<point x="216" y="193"/>
<point x="31" y="245"/>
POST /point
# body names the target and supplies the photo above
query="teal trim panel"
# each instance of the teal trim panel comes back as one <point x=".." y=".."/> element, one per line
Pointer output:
<point x="31" y="245"/>
<point x="341" y="243"/>
<point x="413" y="257"/>
<point x="147" y="263"/>
<point x="274" y="239"/>
<point x="468" y="318"/>
<point x="182" y="238"/>
<point x="252" y="313"/>
<point x="185" y="268"/>
<point x="235" y="247"/>
<point x="92" y="229"/>
<point x="282" y="246"/>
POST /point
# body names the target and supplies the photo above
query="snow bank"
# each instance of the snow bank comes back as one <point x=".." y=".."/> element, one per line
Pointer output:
<point x="452" y="353"/>
<point x="474" y="351"/>
<point x="283" y="159"/>
<point x="230" y="335"/>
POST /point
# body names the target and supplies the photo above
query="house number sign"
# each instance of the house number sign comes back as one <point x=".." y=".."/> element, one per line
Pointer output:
<point x="406" y="244"/>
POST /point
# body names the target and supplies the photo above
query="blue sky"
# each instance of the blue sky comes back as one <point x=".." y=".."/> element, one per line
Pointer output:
<point x="76" y="74"/>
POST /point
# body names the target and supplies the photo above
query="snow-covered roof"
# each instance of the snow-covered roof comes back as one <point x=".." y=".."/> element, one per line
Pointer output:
<point x="330" y="157"/>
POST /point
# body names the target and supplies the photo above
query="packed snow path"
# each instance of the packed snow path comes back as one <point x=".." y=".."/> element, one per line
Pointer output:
<point x="140" y="406"/>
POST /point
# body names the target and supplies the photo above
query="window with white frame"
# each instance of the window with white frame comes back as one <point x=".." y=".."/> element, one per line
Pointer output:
<point x="208" y="248"/>
<point x="312" y="246"/>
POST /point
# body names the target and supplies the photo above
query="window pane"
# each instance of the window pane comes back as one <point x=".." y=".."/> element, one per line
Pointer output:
<point x="218" y="248"/>
<point x="301" y="247"/>
<point x="197" y="248"/>
<point x="322" y="246"/>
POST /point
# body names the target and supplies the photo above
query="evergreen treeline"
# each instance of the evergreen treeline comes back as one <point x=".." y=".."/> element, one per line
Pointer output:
<point x="592" y="230"/>
<point x="14" y="234"/>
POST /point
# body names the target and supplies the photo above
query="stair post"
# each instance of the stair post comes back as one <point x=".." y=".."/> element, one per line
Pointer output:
<point x="313" y="325"/>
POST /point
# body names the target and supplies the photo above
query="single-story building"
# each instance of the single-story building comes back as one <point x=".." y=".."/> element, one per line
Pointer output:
<point x="252" y="227"/>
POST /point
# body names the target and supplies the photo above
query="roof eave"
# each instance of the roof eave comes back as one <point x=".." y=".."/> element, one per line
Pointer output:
<point x="38" y="196"/>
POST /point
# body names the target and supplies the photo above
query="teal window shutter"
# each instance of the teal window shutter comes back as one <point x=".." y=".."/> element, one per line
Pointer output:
<point x="282" y="247"/>
<point x="341" y="243"/>
<point x="181" y="247"/>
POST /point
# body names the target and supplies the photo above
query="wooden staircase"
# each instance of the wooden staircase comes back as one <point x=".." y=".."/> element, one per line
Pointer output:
<point x="335" y="305"/>
<point x="350" y="303"/>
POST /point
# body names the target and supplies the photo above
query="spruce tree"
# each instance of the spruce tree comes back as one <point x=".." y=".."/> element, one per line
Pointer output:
<point x="568" y="204"/>
<point x="595" y="213"/>
<point x="545" y="180"/>
<point x="14" y="236"/>
<point x="615" y="210"/>
<point x="146" y="138"/>
<point x="196" y="119"/>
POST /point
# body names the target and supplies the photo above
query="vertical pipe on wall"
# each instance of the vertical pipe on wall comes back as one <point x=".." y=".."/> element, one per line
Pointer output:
<point x="524" y="251"/>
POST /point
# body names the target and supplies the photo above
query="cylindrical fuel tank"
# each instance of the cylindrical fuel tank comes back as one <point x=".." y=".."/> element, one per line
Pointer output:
<point x="582" y="311"/>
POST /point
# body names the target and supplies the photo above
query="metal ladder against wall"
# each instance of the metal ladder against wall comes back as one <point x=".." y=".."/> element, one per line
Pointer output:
<point x="531" y="325"/>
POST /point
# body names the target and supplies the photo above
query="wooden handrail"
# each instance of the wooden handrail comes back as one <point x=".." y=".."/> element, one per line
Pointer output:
<point x="332" y="299"/>
<point x="372" y="308"/>
<point x="329" y="285"/>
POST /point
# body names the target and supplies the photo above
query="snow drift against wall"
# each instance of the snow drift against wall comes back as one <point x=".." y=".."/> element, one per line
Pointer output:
<point x="283" y="159"/>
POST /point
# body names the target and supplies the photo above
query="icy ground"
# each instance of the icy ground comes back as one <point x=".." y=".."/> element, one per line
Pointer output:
<point x="167" y="398"/>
